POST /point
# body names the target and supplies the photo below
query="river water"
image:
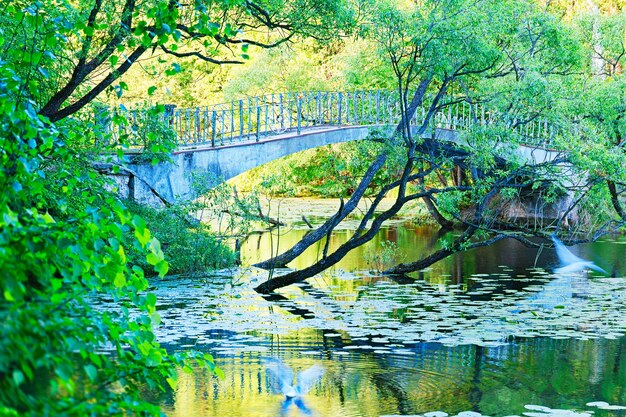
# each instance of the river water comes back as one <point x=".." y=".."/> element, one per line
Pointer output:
<point x="488" y="332"/>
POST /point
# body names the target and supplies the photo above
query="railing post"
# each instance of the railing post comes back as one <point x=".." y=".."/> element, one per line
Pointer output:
<point x="249" y="117"/>
<point x="184" y="124"/>
<point x="339" y="103"/>
<point x="214" y="128"/>
<point x="282" y="115"/>
<point x="328" y="101"/>
<point x="240" y="120"/>
<point x="290" y="103"/>
<point x="319" y="107"/>
<point x="378" y="107"/>
<point x="299" y="113"/>
<point x="456" y="116"/>
<point x="232" y="122"/>
<point x="269" y="107"/>
<point x="198" y="138"/>
<point x="258" y="120"/>
<point x="224" y="128"/>
<point x="267" y="115"/>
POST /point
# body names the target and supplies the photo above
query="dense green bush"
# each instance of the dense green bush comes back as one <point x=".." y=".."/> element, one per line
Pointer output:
<point x="63" y="240"/>
<point x="189" y="245"/>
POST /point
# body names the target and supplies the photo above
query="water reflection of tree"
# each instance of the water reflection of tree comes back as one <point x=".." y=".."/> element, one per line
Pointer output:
<point x="558" y="374"/>
<point x="493" y="381"/>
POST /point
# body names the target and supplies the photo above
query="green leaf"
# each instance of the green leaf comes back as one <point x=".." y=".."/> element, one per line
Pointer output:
<point x="162" y="268"/>
<point x="151" y="299"/>
<point x="138" y="222"/>
<point x="142" y="234"/>
<point x="64" y="371"/>
<point x="120" y="280"/>
<point x="119" y="91"/>
<point x="151" y="90"/>
<point x="91" y="371"/>
<point x="213" y="28"/>
<point x="152" y="259"/>
<point x="28" y="371"/>
<point x="18" y="377"/>
<point x="155" y="247"/>
<point x="155" y="318"/>
<point x="154" y="358"/>
<point x="175" y="69"/>
<point x="96" y="359"/>
<point x="47" y="218"/>
<point x="113" y="60"/>
<point x="56" y="284"/>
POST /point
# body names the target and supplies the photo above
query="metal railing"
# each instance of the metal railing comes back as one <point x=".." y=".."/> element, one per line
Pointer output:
<point x="255" y="118"/>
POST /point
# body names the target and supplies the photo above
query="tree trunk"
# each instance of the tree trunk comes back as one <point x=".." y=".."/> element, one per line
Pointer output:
<point x="615" y="199"/>
<point x="432" y="209"/>
<point x="284" y="258"/>
<point x="402" y="269"/>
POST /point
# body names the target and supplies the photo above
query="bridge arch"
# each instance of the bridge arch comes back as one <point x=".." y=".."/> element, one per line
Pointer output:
<point x="171" y="181"/>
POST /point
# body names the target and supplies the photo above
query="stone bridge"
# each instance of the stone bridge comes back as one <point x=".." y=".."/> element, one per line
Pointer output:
<point x="228" y="139"/>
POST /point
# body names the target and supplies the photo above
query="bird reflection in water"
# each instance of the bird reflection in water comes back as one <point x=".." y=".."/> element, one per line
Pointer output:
<point x="298" y="402"/>
<point x="571" y="263"/>
<point x="282" y="381"/>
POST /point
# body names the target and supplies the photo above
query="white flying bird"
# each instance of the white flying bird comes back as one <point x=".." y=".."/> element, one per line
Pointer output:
<point x="570" y="262"/>
<point x="282" y="378"/>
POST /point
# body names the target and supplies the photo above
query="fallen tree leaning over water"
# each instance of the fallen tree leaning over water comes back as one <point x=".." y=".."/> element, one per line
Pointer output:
<point x="497" y="182"/>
